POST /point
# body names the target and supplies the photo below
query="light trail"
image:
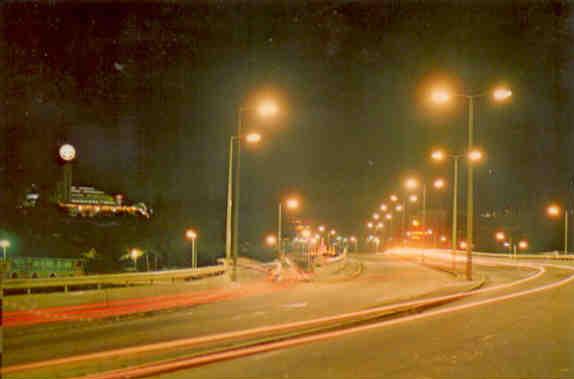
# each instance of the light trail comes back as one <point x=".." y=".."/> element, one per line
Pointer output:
<point x="186" y="363"/>
<point x="266" y="330"/>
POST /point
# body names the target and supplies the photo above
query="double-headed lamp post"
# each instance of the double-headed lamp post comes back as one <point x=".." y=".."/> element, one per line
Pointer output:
<point x="440" y="97"/>
<point x="290" y="203"/>
<point x="555" y="211"/>
<point x="265" y="109"/>
<point x="191" y="235"/>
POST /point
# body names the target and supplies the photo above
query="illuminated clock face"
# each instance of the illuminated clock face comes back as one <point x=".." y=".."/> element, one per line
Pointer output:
<point x="67" y="152"/>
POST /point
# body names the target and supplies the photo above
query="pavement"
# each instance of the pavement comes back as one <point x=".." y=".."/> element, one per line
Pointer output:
<point x="380" y="280"/>
<point x="526" y="336"/>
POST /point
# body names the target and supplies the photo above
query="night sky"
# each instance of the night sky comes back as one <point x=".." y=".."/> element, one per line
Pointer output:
<point x="148" y="93"/>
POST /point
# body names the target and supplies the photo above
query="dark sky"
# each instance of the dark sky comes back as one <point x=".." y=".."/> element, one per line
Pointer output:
<point x="148" y="94"/>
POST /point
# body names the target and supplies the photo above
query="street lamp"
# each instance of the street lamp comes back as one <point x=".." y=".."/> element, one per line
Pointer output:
<point x="67" y="153"/>
<point x="271" y="240"/>
<point x="394" y="198"/>
<point x="441" y="96"/>
<point x="439" y="183"/>
<point x="440" y="156"/>
<point x="4" y="244"/>
<point x="554" y="211"/>
<point x="291" y="203"/>
<point x="265" y="109"/>
<point x="134" y="255"/>
<point x="191" y="235"/>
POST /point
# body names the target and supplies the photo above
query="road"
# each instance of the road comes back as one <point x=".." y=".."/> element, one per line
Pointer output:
<point x="525" y="337"/>
<point x="383" y="281"/>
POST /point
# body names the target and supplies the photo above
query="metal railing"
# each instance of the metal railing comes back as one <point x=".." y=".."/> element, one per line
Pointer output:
<point x="67" y="283"/>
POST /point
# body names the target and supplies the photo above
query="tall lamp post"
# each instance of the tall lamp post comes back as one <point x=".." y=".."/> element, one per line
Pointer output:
<point x="265" y="109"/>
<point x="554" y="211"/>
<point x="291" y="203"/>
<point x="191" y="235"/>
<point x="67" y="154"/>
<point x="439" y="156"/>
<point x="4" y="244"/>
<point x="442" y="96"/>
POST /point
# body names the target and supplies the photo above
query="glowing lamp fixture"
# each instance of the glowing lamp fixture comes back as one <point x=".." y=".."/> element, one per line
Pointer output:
<point x="411" y="183"/>
<point x="523" y="245"/>
<point x="267" y="109"/>
<point x="4" y="244"/>
<point x="389" y="216"/>
<point x="369" y="225"/>
<point x="439" y="183"/>
<point x="292" y="203"/>
<point x="190" y="234"/>
<point x="440" y="96"/>
<point x="376" y="216"/>
<point x="413" y="198"/>
<point x="271" y="240"/>
<point x="438" y="155"/>
<point x="253" y="138"/>
<point x="475" y="155"/>
<point x="394" y="198"/>
<point x="67" y="152"/>
<point x="500" y="236"/>
<point x="501" y="94"/>
<point x="553" y="210"/>
<point x="384" y="207"/>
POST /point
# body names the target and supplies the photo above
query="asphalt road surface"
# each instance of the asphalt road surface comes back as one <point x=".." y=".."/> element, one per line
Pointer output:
<point x="530" y="336"/>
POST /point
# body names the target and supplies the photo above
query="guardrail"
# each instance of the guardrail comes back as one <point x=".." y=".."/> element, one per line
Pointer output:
<point x="68" y="283"/>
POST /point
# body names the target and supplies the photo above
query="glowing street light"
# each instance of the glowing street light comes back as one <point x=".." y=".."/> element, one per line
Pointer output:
<point x="413" y="198"/>
<point x="439" y="183"/>
<point x="321" y="228"/>
<point x="384" y="207"/>
<point x="441" y="96"/>
<point x="67" y="152"/>
<point x="416" y="223"/>
<point x="134" y="254"/>
<point x="394" y="198"/>
<point x="253" y="138"/>
<point x="191" y="235"/>
<point x="411" y="183"/>
<point x="501" y="93"/>
<point x="376" y="216"/>
<point x="271" y="240"/>
<point x="380" y="225"/>
<point x="554" y="211"/>
<point x="523" y="245"/>
<point x="438" y="155"/>
<point x="500" y="236"/>
<point x="475" y="155"/>
<point x="4" y="244"/>
<point x="291" y="203"/>
<point x="389" y="216"/>
<point x="370" y="225"/>
<point x="399" y="208"/>
<point x="265" y="109"/>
